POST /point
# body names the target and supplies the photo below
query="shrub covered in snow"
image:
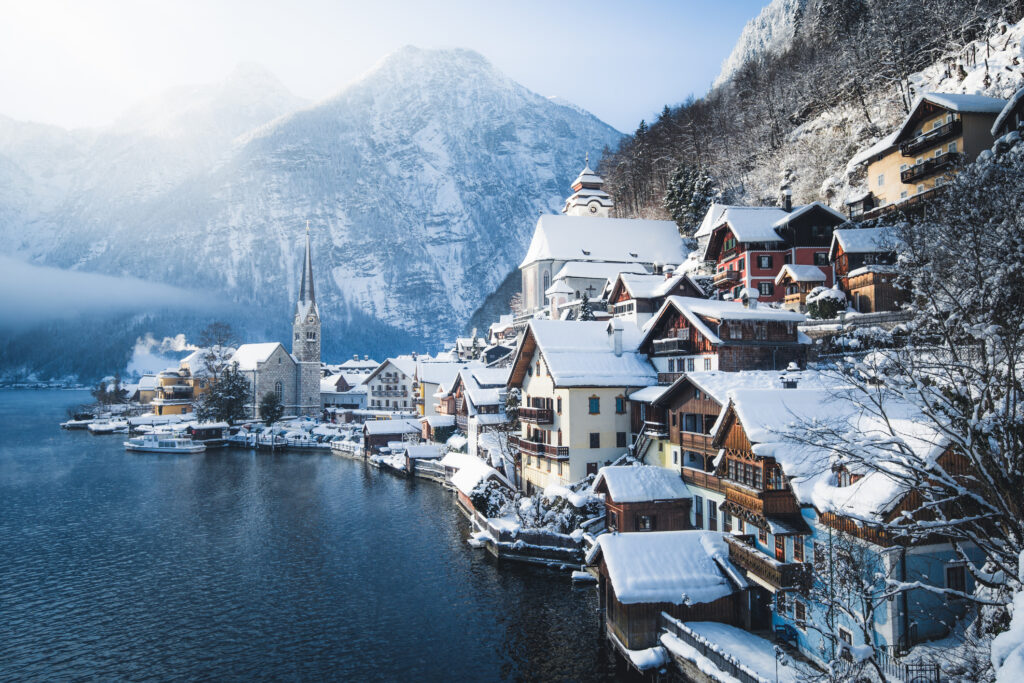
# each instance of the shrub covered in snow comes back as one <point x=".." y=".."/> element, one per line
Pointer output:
<point x="825" y="302"/>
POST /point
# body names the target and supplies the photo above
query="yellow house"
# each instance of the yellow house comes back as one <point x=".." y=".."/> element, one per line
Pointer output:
<point x="193" y="370"/>
<point x="942" y="132"/>
<point x="574" y="379"/>
<point x="173" y="394"/>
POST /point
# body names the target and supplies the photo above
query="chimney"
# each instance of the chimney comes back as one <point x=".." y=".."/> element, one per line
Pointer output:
<point x="366" y="356"/>
<point x="790" y="377"/>
<point x="749" y="297"/>
<point x="615" y="329"/>
<point x="669" y="272"/>
<point x="657" y="268"/>
<point x="355" y="356"/>
<point x="787" y="199"/>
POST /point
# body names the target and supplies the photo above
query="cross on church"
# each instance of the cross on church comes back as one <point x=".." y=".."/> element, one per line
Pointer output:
<point x="590" y="290"/>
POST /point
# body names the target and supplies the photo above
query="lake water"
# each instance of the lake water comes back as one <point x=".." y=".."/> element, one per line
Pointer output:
<point x="236" y="565"/>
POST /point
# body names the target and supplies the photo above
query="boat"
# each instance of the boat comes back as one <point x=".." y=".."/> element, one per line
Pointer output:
<point x="158" y="443"/>
<point x="108" y="426"/>
<point x="211" y="434"/>
<point x="79" y="421"/>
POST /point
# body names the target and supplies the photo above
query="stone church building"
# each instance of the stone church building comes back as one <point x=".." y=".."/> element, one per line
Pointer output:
<point x="295" y="376"/>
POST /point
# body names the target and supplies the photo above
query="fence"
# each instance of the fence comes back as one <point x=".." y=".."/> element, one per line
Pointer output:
<point x="724" y="663"/>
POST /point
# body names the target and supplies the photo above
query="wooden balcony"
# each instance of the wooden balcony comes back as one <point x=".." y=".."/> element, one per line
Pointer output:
<point x="706" y="480"/>
<point x="726" y="278"/>
<point x="931" y="138"/>
<point x="929" y="167"/>
<point x="534" y="448"/>
<point x="781" y="575"/>
<point x="462" y="422"/>
<point x="795" y="301"/>
<point x="656" y="430"/>
<point x="671" y="345"/>
<point x="701" y="443"/>
<point x="668" y="377"/>
<point x="539" y="416"/>
<point x="765" y="502"/>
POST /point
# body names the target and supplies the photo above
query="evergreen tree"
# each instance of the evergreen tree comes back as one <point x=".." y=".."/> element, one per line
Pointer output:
<point x="690" y="192"/>
<point x="586" y="311"/>
<point x="271" y="408"/>
<point x="226" y="399"/>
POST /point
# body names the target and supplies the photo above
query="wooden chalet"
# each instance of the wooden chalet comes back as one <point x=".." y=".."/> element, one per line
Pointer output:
<point x="684" y="574"/>
<point x="865" y="266"/>
<point x="643" y="498"/>
<point x="690" y="335"/>
<point x="797" y="282"/>
<point x="377" y="433"/>
<point x="1011" y="118"/>
<point x="638" y="296"/>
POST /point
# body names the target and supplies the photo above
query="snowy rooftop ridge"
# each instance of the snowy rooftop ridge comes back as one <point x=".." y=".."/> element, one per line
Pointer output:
<point x="249" y="355"/>
<point x="638" y="484"/>
<point x="864" y="240"/>
<point x="581" y="354"/>
<point x="1011" y="104"/>
<point x="595" y="238"/>
<point x="801" y="273"/>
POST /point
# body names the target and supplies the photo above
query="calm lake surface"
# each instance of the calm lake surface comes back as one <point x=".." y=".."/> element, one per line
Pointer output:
<point x="236" y="565"/>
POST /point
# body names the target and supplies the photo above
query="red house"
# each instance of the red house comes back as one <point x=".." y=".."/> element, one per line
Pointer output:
<point x="749" y="245"/>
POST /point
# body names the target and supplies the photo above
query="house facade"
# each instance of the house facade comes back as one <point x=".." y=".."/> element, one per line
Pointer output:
<point x="865" y="266"/>
<point x="637" y="297"/>
<point x="393" y="386"/>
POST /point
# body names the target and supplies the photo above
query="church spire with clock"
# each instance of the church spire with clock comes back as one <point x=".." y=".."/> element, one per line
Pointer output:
<point x="306" y="326"/>
<point x="589" y="197"/>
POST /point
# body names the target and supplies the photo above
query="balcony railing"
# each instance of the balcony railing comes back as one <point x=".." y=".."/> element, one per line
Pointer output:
<point x="691" y="441"/>
<point x="929" y="166"/>
<point x="390" y="392"/>
<point x="932" y="137"/>
<point x="761" y="502"/>
<point x="540" y="416"/>
<point x="458" y="404"/>
<point x="668" y="377"/>
<point x="534" y="448"/>
<point x="726" y="277"/>
<point x="705" y="480"/>
<point x="743" y="554"/>
<point x="671" y="345"/>
<point x="656" y="430"/>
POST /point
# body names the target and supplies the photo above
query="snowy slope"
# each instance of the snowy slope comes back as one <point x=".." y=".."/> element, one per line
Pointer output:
<point x="770" y="32"/>
<point x="423" y="181"/>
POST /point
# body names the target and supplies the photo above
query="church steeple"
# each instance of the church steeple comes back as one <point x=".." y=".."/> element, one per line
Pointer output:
<point x="306" y="325"/>
<point x="589" y="197"/>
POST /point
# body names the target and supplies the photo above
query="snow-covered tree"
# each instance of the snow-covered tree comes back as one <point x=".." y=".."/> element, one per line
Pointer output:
<point x="218" y="342"/>
<point x="586" y="310"/>
<point x="226" y="398"/>
<point x="271" y="408"/>
<point x="690" y="192"/>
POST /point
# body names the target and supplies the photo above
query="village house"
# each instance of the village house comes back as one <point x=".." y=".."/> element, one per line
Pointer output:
<point x="479" y="402"/>
<point x="791" y="511"/>
<point x="173" y="394"/>
<point x="503" y="331"/>
<point x="392" y="385"/>
<point x="643" y="498"/>
<point x="357" y="365"/>
<point x="636" y="297"/>
<point x="796" y="282"/>
<point x="145" y="390"/>
<point x="585" y="234"/>
<point x="431" y="377"/>
<point x="343" y="390"/>
<point x="574" y="379"/>
<point x="377" y="434"/>
<point x="1011" y="118"/>
<point x="942" y="132"/>
<point x="750" y="245"/>
<point x="865" y="268"/>
<point x="684" y="574"/>
<point x="688" y="335"/>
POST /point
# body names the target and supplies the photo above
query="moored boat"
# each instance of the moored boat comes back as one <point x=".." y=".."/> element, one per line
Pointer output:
<point x="108" y="426"/>
<point x="162" y="443"/>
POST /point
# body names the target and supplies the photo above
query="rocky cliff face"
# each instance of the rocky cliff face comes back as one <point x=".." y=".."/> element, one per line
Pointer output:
<point x="422" y="183"/>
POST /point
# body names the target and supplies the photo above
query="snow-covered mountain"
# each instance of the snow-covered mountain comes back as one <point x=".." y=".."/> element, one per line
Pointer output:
<point x="770" y="32"/>
<point x="422" y="182"/>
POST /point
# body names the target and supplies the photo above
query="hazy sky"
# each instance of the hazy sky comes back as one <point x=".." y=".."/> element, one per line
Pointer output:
<point x="81" y="62"/>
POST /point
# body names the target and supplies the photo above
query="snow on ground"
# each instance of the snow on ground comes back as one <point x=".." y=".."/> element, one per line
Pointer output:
<point x="752" y="652"/>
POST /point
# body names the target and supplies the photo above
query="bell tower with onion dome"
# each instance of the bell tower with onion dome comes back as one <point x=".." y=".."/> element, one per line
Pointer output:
<point x="588" y="197"/>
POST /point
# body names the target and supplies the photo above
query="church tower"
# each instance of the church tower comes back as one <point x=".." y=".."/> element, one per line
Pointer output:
<point x="589" y="197"/>
<point x="306" y="340"/>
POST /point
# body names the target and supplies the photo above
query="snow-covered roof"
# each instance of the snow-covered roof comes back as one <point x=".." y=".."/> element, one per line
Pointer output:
<point x="249" y="355"/>
<point x="442" y="373"/>
<point x="711" y="220"/>
<point x="581" y="354"/>
<point x="424" y="450"/>
<point x="1011" y="105"/>
<point x="597" y="271"/>
<point x="439" y="420"/>
<point x="801" y="210"/>
<point x="148" y="383"/>
<point x="678" y="567"/>
<point x="651" y="286"/>
<point x="753" y="223"/>
<point x="391" y="427"/>
<point x="471" y="473"/>
<point x="483" y="385"/>
<point x="648" y="394"/>
<point x="560" y="287"/>
<point x="587" y="177"/>
<point x="968" y="104"/>
<point x="717" y="384"/>
<point x="695" y="310"/>
<point x="880" y="147"/>
<point x="638" y="484"/>
<point x="404" y="364"/>
<point x="863" y="240"/>
<point x="595" y="238"/>
<point x="362" y="364"/>
<point x="800" y="273"/>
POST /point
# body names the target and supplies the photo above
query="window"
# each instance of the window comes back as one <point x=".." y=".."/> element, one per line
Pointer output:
<point x="764" y="262"/>
<point x="952" y="147"/>
<point x="780" y="548"/>
<point x="613" y="520"/>
<point x="595" y="439"/>
<point x="742" y="264"/>
<point x="903" y="167"/>
<point x="675" y="456"/>
<point x="726" y="522"/>
<point x="730" y="242"/>
<point x="920" y="189"/>
<point x="673" y="419"/>
<point x="645" y="522"/>
<point x="620" y="405"/>
<point x="279" y="390"/>
<point x="595" y="405"/>
<point x="698" y="512"/>
<point x="766" y="288"/>
<point x="821" y="258"/>
<point x="620" y="439"/>
<point x="689" y="365"/>
<point x="800" y="614"/>
<point x="548" y="464"/>
<point x="760" y="331"/>
<point x="846" y="641"/>
<point x="956" y="577"/>
<point x="707" y="364"/>
<point x="819" y="555"/>
<point x="671" y="364"/>
<point x="762" y="535"/>
<point x="798" y="549"/>
<point x="735" y="331"/>
<point x="712" y="515"/>
<point x="903" y="195"/>
<point x="559" y="468"/>
<point x="310" y="335"/>
<point x="881" y="179"/>
<point x="591" y="468"/>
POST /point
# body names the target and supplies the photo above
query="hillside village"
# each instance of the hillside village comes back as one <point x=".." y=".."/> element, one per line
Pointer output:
<point x="700" y="426"/>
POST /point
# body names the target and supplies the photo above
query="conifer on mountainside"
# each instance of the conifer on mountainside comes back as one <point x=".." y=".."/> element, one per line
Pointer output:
<point x="690" y="192"/>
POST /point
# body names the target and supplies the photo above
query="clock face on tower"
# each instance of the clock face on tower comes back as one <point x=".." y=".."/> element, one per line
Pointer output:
<point x="311" y="319"/>
<point x="593" y="208"/>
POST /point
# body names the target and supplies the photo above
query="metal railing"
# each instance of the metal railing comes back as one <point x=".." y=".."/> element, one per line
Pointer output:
<point x="534" y="448"/>
<point x="932" y="137"/>
<point x="723" y="662"/>
<point x="668" y="377"/>
<point x="929" y="166"/>
<point x="671" y="345"/>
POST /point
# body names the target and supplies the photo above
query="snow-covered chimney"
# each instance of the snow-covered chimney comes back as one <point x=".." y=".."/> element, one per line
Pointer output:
<point x="615" y="330"/>
<point x="787" y="199"/>
<point x="790" y="377"/>
<point x="669" y="271"/>
<point x="657" y="268"/>
<point x="749" y="297"/>
<point x="355" y="356"/>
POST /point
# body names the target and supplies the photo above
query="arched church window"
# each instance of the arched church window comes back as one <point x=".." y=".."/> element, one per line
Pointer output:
<point x="279" y="390"/>
<point x="547" y="282"/>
